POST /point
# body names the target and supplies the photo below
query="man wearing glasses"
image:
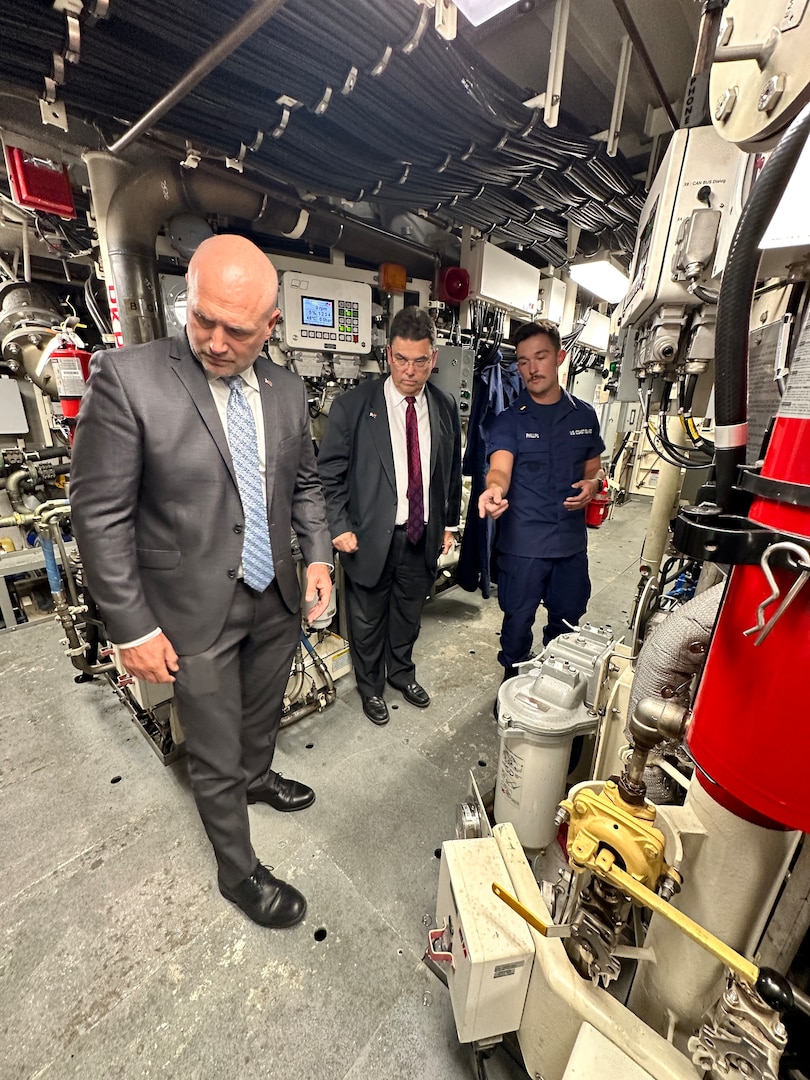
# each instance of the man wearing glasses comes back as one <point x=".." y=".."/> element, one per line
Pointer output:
<point x="390" y="465"/>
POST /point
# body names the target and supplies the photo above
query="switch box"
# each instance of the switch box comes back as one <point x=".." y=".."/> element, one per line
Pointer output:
<point x="491" y="945"/>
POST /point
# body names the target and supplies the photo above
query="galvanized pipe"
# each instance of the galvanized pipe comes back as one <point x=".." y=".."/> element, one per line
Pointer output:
<point x="261" y="11"/>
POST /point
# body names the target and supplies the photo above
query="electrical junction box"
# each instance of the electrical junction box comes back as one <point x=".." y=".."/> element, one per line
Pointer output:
<point x="595" y="333"/>
<point x="502" y="279"/>
<point x="454" y="372"/>
<point x="324" y="314"/>
<point x="491" y="945"/>
<point x="551" y="299"/>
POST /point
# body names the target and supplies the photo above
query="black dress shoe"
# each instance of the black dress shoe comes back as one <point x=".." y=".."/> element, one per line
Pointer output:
<point x="414" y="694"/>
<point x="283" y="794"/>
<point x="266" y="900"/>
<point x="376" y="710"/>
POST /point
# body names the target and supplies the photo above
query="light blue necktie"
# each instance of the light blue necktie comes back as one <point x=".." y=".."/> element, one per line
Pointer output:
<point x="257" y="556"/>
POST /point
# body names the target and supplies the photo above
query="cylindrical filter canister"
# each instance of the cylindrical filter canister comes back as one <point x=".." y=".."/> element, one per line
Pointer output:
<point x="539" y="714"/>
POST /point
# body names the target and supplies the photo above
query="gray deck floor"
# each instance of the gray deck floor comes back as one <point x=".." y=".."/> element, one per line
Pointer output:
<point x="118" y="956"/>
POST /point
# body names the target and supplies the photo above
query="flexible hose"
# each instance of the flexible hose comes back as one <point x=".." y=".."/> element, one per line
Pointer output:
<point x="734" y="305"/>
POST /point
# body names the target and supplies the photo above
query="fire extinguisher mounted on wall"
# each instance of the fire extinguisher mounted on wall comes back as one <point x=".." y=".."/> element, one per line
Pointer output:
<point x="71" y="365"/>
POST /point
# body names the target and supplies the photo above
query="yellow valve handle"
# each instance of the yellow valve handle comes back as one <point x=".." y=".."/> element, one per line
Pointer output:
<point x="549" y="930"/>
<point x="606" y="869"/>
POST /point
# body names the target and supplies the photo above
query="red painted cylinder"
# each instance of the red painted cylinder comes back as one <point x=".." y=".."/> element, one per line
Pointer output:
<point x="598" y="508"/>
<point x="71" y="367"/>
<point x="750" y="732"/>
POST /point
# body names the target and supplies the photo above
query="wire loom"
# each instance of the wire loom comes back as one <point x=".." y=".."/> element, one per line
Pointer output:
<point x="359" y="101"/>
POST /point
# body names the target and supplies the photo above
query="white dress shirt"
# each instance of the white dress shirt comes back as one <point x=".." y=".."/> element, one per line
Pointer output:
<point x="397" y="406"/>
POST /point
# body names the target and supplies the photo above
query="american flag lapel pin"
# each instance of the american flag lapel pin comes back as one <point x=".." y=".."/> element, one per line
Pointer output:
<point x="373" y="415"/>
<point x="267" y="382"/>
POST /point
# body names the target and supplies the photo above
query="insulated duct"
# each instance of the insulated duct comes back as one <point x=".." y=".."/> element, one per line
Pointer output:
<point x="675" y="651"/>
<point x="139" y="202"/>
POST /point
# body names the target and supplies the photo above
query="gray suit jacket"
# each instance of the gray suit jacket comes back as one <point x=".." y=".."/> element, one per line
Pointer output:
<point x="356" y="464"/>
<point x="154" y="500"/>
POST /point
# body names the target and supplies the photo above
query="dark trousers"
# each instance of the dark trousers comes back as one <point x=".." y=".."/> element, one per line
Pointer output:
<point x="229" y="701"/>
<point x="384" y="621"/>
<point x="523" y="584"/>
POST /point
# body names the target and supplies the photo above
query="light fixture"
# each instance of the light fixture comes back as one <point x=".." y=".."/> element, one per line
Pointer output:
<point x="478" y="11"/>
<point x="602" y="276"/>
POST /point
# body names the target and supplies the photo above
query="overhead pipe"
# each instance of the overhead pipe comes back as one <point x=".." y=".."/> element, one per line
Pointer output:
<point x="141" y="201"/>
<point x="646" y="60"/>
<point x="241" y="30"/>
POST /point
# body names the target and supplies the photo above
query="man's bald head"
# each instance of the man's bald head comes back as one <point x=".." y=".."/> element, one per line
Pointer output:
<point x="232" y="294"/>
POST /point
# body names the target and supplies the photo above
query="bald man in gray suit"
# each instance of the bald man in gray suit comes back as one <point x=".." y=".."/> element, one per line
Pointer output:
<point x="183" y="516"/>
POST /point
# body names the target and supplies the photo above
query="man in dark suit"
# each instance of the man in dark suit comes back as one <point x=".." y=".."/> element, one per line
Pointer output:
<point x="391" y="470"/>
<point x="183" y="516"/>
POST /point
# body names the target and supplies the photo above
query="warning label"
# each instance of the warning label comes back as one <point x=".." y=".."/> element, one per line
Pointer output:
<point x="796" y="402"/>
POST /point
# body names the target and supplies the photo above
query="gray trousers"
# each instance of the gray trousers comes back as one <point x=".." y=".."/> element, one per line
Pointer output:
<point x="229" y="702"/>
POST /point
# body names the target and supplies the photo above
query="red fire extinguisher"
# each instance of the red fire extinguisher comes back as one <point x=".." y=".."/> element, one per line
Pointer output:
<point x="598" y="508"/>
<point x="71" y="366"/>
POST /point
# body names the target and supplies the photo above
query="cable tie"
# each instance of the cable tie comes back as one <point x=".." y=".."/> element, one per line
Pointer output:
<point x="350" y="83"/>
<point x="501" y="143"/>
<point x="530" y="126"/>
<point x="479" y="193"/>
<point x="416" y="37"/>
<point x="382" y="63"/>
<point x="323" y="104"/>
<point x="281" y="127"/>
<point x="192" y="158"/>
<point x="468" y="152"/>
<point x="74" y="38"/>
<point x="445" y="163"/>
<point x="377" y="187"/>
<point x="404" y="176"/>
<point x="257" y="142"/>
<point x="234" y="163"/>
<point x="58" y="68"/>
<point x="49" y="93"/>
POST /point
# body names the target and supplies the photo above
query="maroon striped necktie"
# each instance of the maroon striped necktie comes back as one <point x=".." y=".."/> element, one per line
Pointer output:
<point x="416" y="501"/>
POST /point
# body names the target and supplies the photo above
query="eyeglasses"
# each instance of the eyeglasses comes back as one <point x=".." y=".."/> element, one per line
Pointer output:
<point x="417" y="361"/>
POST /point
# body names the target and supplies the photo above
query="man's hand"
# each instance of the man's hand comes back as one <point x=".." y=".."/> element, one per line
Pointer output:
<point x="346" y="542"/>
<point x="492" y="502"/>
<point x="448" y="540"/>
<point x="319" y="590"/>
<point x="154" y="661"/>
<point x="587" y="490"/>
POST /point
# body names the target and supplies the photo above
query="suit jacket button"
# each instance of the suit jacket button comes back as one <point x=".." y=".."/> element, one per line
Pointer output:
<point x="237" y="528"/>
<point x="231" y="573"/>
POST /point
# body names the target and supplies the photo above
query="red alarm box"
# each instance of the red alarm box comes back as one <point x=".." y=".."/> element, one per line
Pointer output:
<point x="39" y="182"/>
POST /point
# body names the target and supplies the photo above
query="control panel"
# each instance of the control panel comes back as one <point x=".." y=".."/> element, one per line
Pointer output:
<point x="324" y="314"/>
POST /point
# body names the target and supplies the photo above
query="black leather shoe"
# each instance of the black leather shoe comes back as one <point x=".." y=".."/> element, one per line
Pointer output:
<point x="283" y="794"/>
<point x="376" y="710"/>
<point x="266" y="900"/>
<point x="414" y="694"/>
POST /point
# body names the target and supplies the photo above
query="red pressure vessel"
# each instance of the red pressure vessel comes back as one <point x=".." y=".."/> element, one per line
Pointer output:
<point x="71" y="367"/>
<point x="750" y="732"/>
<point x="597" y="510"/>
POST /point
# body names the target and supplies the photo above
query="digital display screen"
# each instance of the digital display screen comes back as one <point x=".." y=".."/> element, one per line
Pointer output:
<point x="317" y="312"/>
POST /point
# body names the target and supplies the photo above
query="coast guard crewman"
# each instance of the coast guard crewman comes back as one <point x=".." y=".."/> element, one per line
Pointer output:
<point x="545" y="452"/>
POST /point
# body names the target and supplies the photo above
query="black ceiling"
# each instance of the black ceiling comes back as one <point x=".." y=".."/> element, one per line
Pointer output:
<point x="375" y="108"/>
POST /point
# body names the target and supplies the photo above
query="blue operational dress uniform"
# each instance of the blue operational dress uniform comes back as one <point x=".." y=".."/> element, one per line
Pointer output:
<point x="541" y="547"/>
